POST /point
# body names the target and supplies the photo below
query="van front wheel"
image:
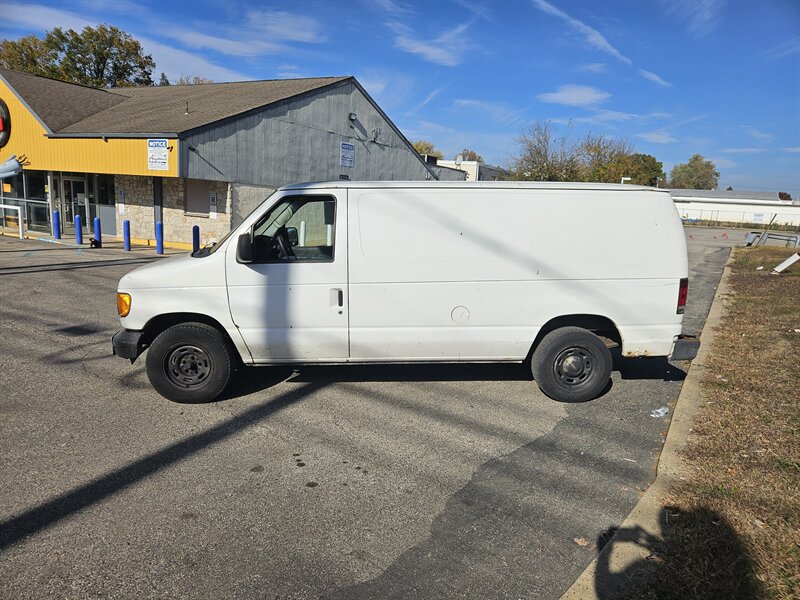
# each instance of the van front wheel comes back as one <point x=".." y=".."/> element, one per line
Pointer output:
<point x="571" y="364"/>
<point x="189" y="362"/>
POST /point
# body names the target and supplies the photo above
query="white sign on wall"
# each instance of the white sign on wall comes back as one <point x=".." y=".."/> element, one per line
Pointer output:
<point x="212" y="205"/>
<point x="157" y="155"/>
<point x="347" y="155"/>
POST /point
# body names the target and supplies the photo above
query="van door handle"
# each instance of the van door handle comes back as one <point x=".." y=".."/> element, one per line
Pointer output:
<point x="337" y="297"/>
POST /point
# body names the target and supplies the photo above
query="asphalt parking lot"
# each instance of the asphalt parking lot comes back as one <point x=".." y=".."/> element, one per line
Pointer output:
<point x="340" y="482"/>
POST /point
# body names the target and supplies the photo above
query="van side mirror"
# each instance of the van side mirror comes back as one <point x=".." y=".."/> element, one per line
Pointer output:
<point x="291" y="234"/>
<point x="244" y="248"/>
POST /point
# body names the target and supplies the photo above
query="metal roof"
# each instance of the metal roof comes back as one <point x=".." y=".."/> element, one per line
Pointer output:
<point x="723" y="195"/>
<point x="71" y="109"/>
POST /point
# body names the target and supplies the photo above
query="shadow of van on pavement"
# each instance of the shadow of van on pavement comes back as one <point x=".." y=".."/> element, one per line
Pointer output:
<point x="698" y="556"/>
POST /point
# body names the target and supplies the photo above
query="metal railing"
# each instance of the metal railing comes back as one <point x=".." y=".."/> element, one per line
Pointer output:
<point x="33" y="214"/>
<point x="6" y="207"/>
<point x="784" y="219"/>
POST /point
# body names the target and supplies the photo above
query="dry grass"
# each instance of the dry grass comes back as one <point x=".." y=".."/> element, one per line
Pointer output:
<point x="732" y="526"/>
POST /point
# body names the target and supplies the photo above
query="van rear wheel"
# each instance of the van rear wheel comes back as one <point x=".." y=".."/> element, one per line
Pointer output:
<point x="189" y="363"/>
<point x="571" y="364"/>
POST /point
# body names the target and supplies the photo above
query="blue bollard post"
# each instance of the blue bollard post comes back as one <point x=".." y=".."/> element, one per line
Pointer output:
<point x="56" y="225"/>
<point x="98" y="233"/>
<point x="195" y="238"/>
<point x="159" y="238"/>
<point x="126" y="235"/>
<point x="78" y="230"/>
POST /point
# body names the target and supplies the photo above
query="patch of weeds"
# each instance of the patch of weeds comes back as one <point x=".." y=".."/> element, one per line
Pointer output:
<point x="786" y="463"/>
<point x="717" y="491"/>
<point x="742" y="474"/>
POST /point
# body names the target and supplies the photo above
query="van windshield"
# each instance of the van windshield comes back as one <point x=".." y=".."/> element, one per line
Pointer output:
<point x="214" y="246"/>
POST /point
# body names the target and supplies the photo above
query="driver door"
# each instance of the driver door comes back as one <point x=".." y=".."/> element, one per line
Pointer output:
<point x="290" y="304"/>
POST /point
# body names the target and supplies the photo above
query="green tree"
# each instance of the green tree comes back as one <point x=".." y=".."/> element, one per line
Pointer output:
<point x="163" y="80"/>
<point x="604" y="159"/>
<point x="467" y="154"/>
<point x="545" y="156"/>
<point x="697" y="174"/>
<point x="646" y="170"/>
<point x="426" y="147"/>
<point x="29" y="54"/>
<point x="102" y="56"/>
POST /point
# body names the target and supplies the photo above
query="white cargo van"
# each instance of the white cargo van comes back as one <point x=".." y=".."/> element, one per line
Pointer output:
<point x="376" y="272"/>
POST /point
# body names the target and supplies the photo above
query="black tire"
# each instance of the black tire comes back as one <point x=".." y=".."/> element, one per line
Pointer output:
<point x="190" y="362"/>
<point x="571" y="364"/>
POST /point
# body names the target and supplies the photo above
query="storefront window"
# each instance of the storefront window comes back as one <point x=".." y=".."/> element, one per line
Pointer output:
<point x="36" y="182"/>
<point x="105" y="189"/>
<point x="12" y="187"/>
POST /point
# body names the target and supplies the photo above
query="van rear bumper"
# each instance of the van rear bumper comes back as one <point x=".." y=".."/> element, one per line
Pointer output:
<point x="685" y="348"/>
<point x="128" y="344"/>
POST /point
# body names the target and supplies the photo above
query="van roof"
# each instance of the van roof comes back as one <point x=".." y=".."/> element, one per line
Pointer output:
<point x="530" y="185"/>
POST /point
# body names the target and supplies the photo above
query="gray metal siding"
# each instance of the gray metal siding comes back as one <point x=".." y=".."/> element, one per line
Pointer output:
<point x="300" y="141"/>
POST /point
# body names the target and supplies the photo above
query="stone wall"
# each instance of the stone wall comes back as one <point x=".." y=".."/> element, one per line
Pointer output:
<point x="135" y="203"/>
<point x="178" y="224"/>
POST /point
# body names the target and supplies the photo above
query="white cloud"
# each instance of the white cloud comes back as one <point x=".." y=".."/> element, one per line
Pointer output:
<point x="653" y="77"/>
<point x="604" y="117"/>
<point x="494" y="147"/>
<point x="657" y="137"/>
<point x="723" y="163"/>
<point x="390" y="89"/>
<point x="700" y="16"/>
<point x="175" y="62"/>
<point x="785" y="48"/>
<point x="117" y="6"/>
<point x="575" y="95"/>
<point x="37" y="16"/>
<point x="742" y="150"/>
<point x="373" y="85"/>
<point x="499" y="112"/>
<point x="477" y="8"/>
<point x="795" y="150"/>
<point x="195" y="39"/>
<point x="448" y="49"/>
<point x="595" y="39"/>
<point x="597" y="67"/>
<point x="170" y="60"/>
<point x="284" y="26"/>
<point x="428" y="98"/>
<point x="393" y="7"/>
<point x="590" y="35"/>
<point x="759" y="135"/>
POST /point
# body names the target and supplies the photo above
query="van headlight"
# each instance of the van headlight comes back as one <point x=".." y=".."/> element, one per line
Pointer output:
<point x="123" y="304"/>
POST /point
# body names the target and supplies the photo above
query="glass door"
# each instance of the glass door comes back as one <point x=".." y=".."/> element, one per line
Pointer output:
<point x="74" y="203"/>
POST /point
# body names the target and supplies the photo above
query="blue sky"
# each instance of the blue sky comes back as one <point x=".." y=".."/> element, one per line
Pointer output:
<point x="675" y="77"/>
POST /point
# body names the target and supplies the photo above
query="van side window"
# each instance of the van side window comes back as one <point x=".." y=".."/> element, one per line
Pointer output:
<point x="299" y="229"/>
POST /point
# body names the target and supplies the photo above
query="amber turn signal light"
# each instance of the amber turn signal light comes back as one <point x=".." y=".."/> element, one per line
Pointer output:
<point x="123" y="304"/>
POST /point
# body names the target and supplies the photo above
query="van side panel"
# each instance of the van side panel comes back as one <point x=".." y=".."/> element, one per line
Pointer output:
<point x="463" y="274"/>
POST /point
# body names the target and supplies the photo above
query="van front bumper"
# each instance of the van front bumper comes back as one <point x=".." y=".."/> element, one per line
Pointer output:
<point x="685" y="348"/>
<point x="128" y="344"/>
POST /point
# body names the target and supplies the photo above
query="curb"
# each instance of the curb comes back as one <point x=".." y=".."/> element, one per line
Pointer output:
<point x="646" y="513"/>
